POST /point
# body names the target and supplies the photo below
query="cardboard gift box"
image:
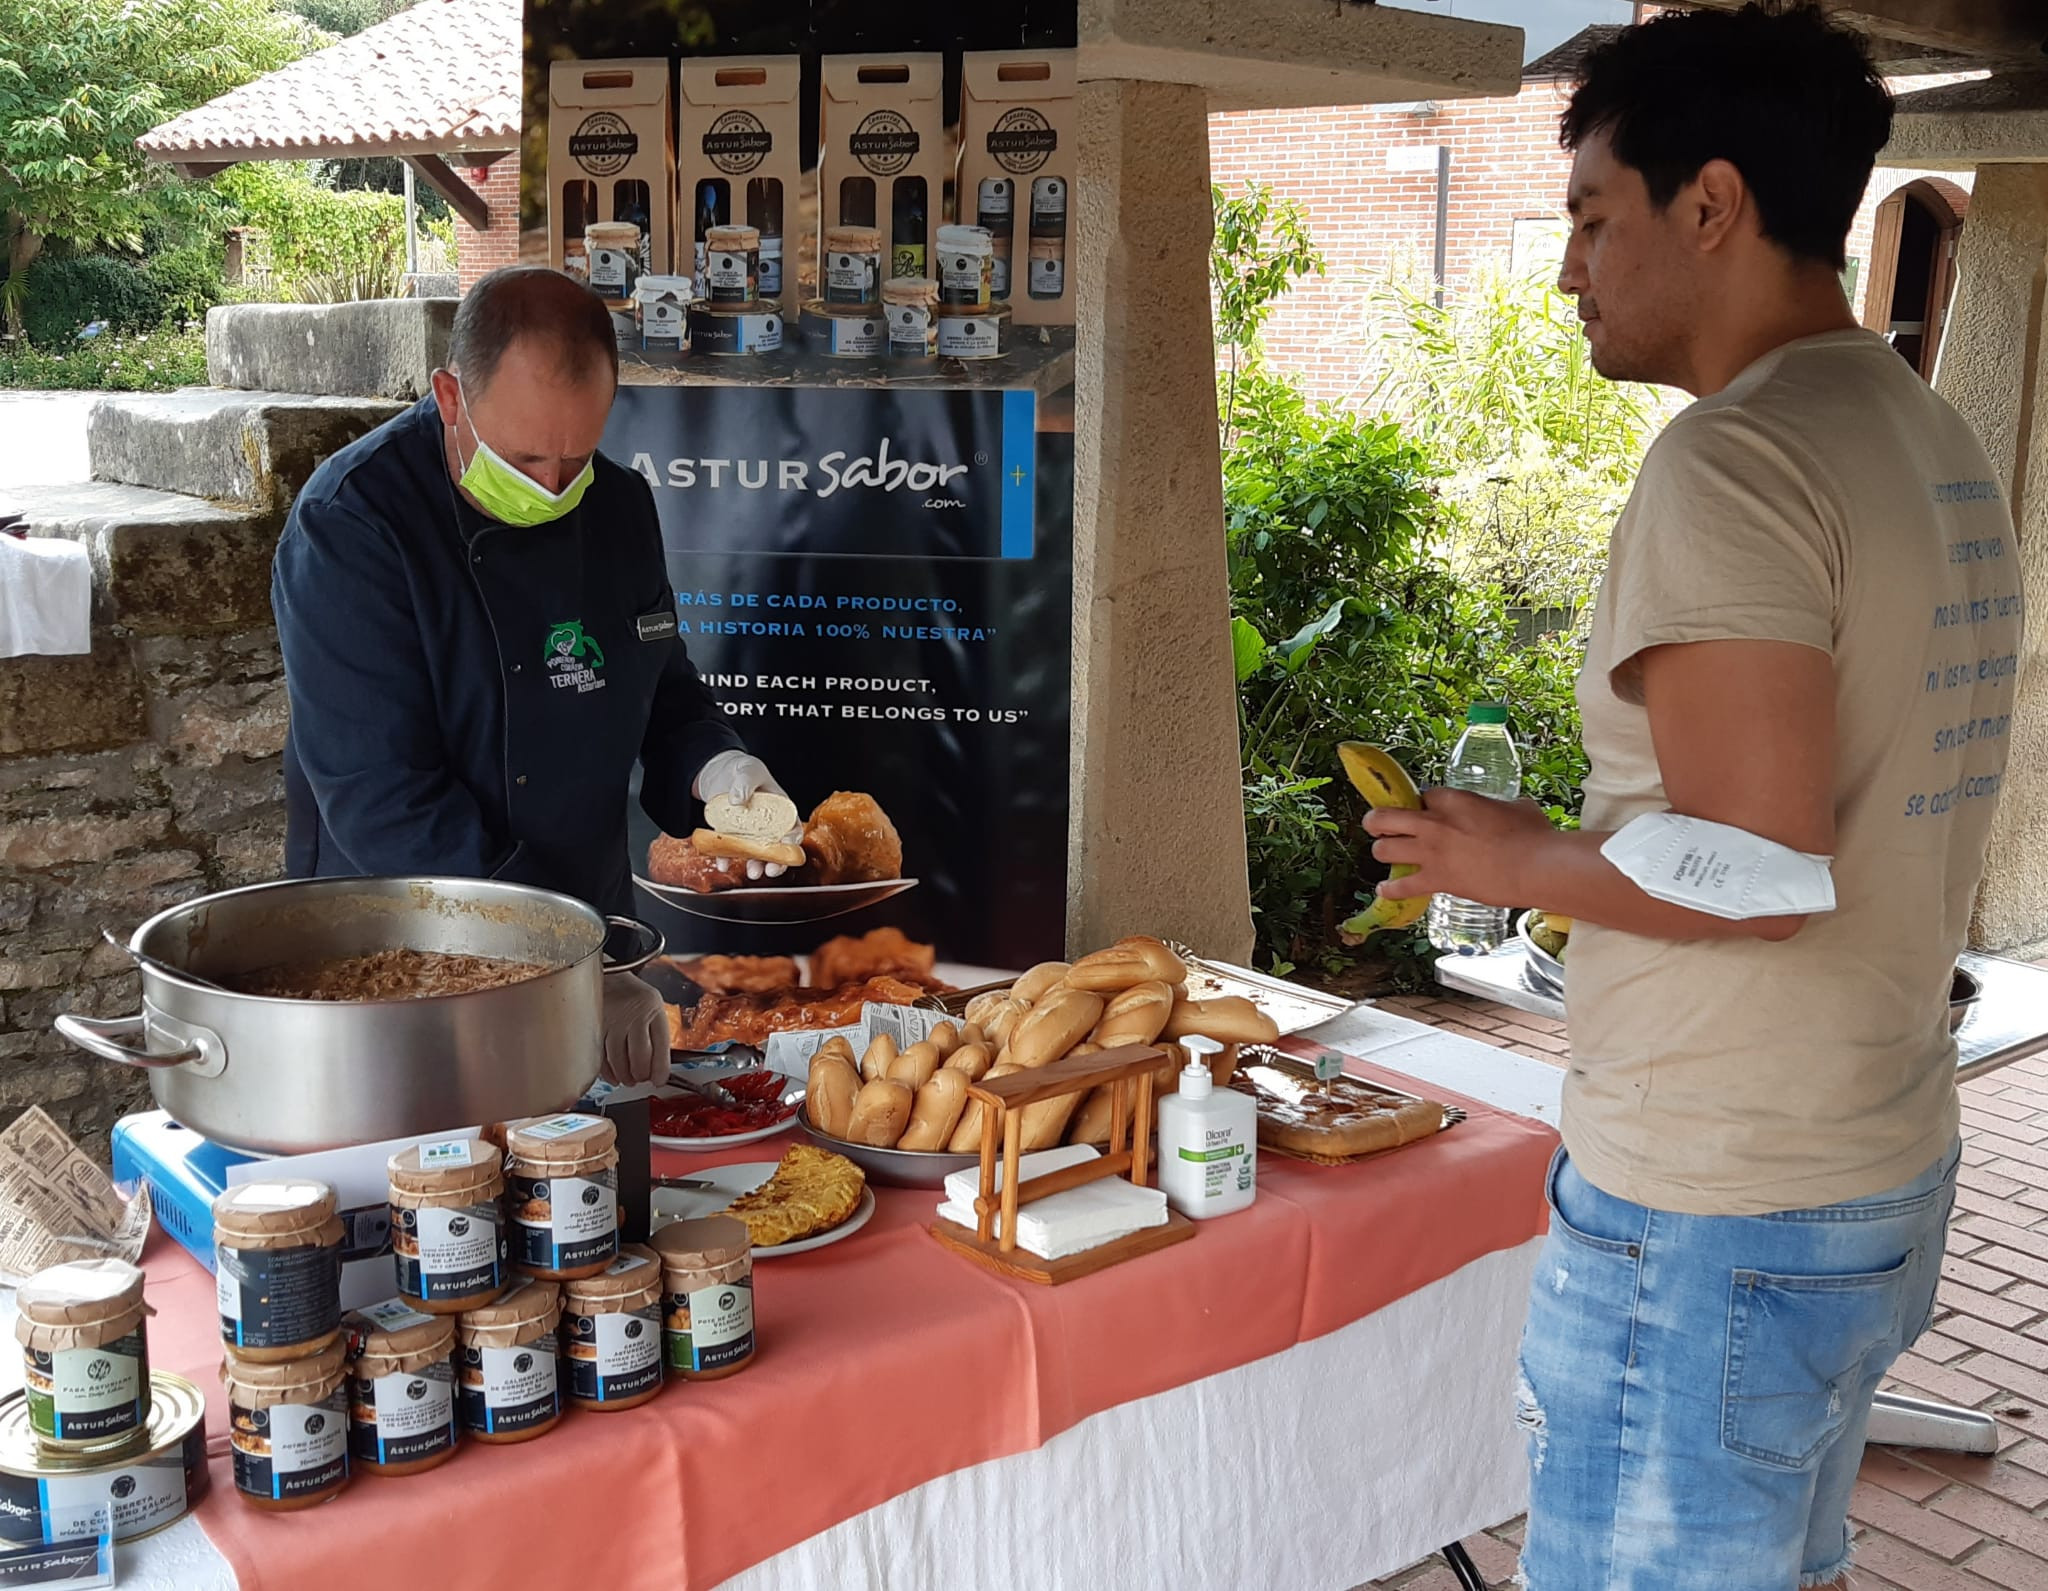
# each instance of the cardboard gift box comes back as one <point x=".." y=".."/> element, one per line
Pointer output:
<point x="738" y="159"/>
<point x="610" y="159"/>
<point x="883" y="156"/>
<point x="1017" y="168"/>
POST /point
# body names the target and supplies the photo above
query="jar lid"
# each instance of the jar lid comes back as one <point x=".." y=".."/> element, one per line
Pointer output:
<point x="521" y="1304"/>
<point x="81" y="1293"/>
<point x="307" y="1380"/>
<point x="733" y="237"/>
<point x="273" y="1209"/>
<point x="853" y="240"/>
<point x="966" y="239"/>
<point x="617" y="231"/>
<point x="634" y="1278"/>
<point x="393" y="1337"/>
<point x="564" y="1140"/>
<point x="703" y="1243"/>
<point x="910" y="290"/>
<point x="449" y="1165"/>
<point x="650" y="288"/>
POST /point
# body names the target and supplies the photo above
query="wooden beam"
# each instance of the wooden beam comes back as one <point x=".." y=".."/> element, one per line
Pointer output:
<point x="1974" y="27"/>
<point x="465" y="200"/>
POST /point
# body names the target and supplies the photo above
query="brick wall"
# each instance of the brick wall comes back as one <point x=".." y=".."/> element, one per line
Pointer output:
<point x="478" y="253"/>
<point x="1371" y="221"/>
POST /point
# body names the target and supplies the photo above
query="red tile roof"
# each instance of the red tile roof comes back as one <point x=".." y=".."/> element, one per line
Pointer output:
<point x="440" y="77"/>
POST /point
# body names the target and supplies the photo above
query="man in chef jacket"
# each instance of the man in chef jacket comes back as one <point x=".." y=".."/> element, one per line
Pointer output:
<point x="480" y="637"/>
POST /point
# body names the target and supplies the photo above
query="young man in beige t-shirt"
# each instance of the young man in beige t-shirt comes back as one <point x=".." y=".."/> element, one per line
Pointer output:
<point x="1807" y="632"/>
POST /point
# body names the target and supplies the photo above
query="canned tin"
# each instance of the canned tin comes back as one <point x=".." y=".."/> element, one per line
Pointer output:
<point x="50" y="1497"/>
<point x="975" y="334"/>
<point x="717" y="330"/>
<point x="844" y="333"/>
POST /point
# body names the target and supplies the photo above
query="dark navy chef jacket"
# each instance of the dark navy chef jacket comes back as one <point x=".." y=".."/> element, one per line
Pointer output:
<point x="468" y="698"/>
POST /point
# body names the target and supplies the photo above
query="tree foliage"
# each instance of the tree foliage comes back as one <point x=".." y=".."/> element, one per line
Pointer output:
<point x="81" y="80"/>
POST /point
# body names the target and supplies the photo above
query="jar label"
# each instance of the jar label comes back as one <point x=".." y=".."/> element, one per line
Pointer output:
<point x="277" y="1298"/>
<point x="609" y="1357"/>
<point x="561" y="1223"/>
<point x="770" y="276"/>
<point x="71" y="1507"/>
<point x="910" y="329"/>
<point x="851" y="278"/>
<point x="510" y="1389"/>
<point x="397" y="1418"/>
<point x="964" y="278"/>
<point x="999" y="270"/>
<point x="612" y="272"/>
<point x="970" y="336"/>
<point x="447" y="1253"/>
<point x="730" y="276"/>
<point x="1048" y="206"/>
<point x="661" y="326"/>
<point x="292" y="1448"/>
<point x="710" y="1327"/>
<point x="79" y="1394"/>
<point x="994" y="203"/>
<point x="1048" y="278"/>
<point x="449" y="1152"/>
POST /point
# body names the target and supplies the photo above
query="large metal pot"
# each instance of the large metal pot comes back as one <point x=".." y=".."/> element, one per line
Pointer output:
<point x="288" y="1076"/>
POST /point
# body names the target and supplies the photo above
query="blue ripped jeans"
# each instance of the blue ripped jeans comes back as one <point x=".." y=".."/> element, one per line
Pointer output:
<point x="1695" y="1388"/>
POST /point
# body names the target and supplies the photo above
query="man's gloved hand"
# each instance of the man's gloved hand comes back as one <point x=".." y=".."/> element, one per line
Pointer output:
<point x="740" y="775"/>
<point x="635" y="1031"/>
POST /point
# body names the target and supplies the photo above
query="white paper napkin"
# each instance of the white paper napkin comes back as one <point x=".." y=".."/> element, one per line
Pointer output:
<point x="45" y="597"/>
<point x="1067" y="1223"/>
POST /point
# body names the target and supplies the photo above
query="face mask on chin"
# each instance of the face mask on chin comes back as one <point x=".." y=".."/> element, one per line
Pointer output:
<point x="509" y="495"/>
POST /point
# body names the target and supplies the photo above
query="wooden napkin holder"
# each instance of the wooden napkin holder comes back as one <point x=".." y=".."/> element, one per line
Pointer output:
<point x="1130" y="1072"/>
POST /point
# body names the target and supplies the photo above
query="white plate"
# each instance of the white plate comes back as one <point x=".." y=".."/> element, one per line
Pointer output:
<point x="728" y="1183"/>
<point x="792" y="1090"/>
<point x="777" y="903"/>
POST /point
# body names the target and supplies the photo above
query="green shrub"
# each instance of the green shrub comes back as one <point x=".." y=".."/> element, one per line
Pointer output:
<point x="112" y="362"/>
<point x="324" y="247"/>
<point x="187" y="282"/>
<point x="60" y="296"/>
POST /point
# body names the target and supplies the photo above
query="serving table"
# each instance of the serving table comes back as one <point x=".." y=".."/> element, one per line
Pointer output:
<point x="1311" y="1393"/>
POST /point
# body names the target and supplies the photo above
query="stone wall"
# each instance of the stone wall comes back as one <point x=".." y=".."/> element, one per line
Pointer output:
<point x="148" y="774"/>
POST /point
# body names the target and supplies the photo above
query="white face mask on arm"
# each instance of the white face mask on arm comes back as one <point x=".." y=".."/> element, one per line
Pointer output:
<point x="1722" y="871"/>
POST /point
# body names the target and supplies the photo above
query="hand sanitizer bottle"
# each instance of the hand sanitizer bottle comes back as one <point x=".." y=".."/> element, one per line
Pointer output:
<point x="1208" y="1141"/>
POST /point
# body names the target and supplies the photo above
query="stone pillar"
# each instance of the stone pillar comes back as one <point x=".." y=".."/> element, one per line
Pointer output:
<point x="1992" y="370"/>
<point x="1156" y="836"/>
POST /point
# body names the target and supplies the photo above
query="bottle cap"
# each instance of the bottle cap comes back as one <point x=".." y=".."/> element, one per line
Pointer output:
<point x="1197" y="1080"/>
<point x="1486" y="713"/>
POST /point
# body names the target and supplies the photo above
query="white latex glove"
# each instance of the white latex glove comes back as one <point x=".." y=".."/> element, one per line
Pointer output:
<point x="635" y="1024"/>
<point x="740" y="774"/>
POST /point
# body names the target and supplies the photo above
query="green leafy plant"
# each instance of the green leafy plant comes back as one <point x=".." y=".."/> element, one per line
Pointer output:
<point x="61" y="296"/>
<point x="323" y="247"/>
<point x="1261" y="249"/>
<point x="81" y="80"/>
<point x="156" y="361"/>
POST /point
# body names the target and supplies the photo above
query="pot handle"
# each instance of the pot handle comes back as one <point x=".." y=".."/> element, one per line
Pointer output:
<point x="103" y="1036"/>
<point x="649" y="943"/>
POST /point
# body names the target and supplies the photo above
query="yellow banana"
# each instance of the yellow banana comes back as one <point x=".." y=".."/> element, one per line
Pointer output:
<point x="1384" y="783"/>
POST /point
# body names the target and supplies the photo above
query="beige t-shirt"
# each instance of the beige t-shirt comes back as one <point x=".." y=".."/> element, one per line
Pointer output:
<point x="1827" y="498"/>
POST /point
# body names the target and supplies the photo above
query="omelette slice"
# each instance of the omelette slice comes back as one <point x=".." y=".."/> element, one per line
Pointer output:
<point x="812" y="1191"/>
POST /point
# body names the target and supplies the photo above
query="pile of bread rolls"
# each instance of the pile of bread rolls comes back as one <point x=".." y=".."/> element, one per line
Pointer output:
<point x="1132" y="993"/>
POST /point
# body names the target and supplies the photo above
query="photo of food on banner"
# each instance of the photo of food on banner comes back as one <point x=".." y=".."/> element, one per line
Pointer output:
<point x="836" y="253"/>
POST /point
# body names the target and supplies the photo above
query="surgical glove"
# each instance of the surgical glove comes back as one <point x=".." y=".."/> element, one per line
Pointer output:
<point x="740" y="775"/>
<point x="635" y="1024"/>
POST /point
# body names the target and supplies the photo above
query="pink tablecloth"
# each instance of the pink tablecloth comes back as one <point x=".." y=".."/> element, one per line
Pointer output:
<point x="886" y="1361"/>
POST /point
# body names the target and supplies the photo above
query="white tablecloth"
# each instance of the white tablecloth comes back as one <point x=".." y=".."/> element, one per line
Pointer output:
<point x="1316" y="1469"/>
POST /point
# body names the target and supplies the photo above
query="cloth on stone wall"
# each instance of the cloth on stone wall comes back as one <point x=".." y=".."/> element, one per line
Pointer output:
<point x="45" y="597"/>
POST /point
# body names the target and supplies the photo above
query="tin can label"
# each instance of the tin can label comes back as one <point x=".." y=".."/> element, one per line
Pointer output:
<point x="397" y="1418"/>
<point x="510" y="1389"/>
<point x="848" y="338"/>
<point x="277" y="1298"/>
<point x="711" y="1327"/>
<point x="609" y="1357"/>
<point x="69" y="1507"/>
<point x="448" y="1253"/>
<point x="851" y="278"/>
<point x="561" y="1223"/>
<point x="87" y="1394"/>
<point x="731" y="276"/>
<point x="292" y="1448"/>
<point x="970" y="336"/>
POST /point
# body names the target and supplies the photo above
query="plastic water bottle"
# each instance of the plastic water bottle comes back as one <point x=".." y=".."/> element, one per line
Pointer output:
<point x="1486" y="763"/>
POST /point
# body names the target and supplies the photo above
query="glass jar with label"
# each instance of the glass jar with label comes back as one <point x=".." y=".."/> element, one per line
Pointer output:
<point x="447" y="1224"/>
<point x="562" y="1194"/>
<point x="85" y="1354"/>
<point x="505" y="1372"/>
<point x="402" y="1416"/>
<point x="732" y="265"/>
<point x="707" y="1279"/>
<point x="611" y="1333"/>
<point x="611" y="250"/>
<point x="852" y="268"/>
<point x="910" y="304"/>
<point x="277" y="1268"/>
<point x="966" y="264"/>
<point x="288" y="1428"/>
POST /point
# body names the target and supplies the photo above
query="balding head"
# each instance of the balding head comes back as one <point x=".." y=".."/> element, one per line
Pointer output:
<point x="551" y="317"/>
